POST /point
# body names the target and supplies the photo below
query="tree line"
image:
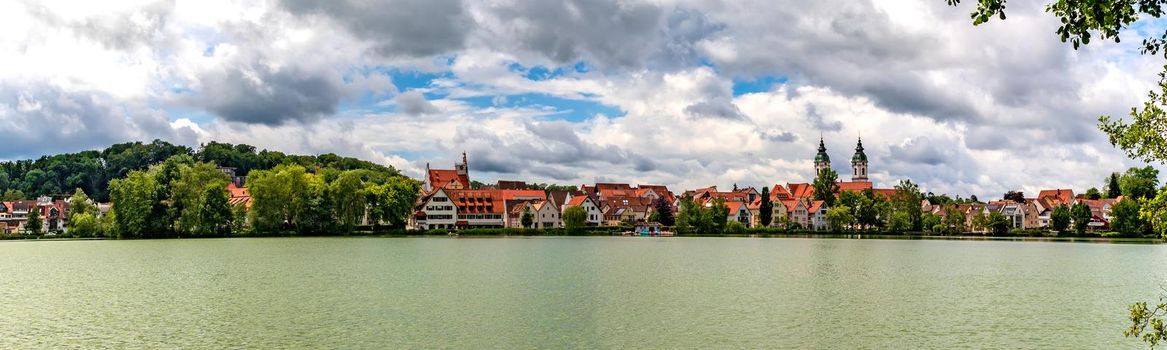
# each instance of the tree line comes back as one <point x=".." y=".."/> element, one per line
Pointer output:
<point x="92" y="171"/>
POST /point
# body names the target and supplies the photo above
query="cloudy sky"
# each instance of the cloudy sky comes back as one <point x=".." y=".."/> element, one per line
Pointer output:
<point x="685" y="93"/>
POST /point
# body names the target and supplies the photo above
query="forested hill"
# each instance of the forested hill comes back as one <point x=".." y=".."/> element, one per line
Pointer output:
<point x="91" y="171"/>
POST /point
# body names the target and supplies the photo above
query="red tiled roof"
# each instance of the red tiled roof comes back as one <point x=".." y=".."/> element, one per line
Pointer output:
<point x="854" y="185"/>
<point x="815" y="206"/>
<point x="440" y="178"/>
<point x="1064" y="196"/>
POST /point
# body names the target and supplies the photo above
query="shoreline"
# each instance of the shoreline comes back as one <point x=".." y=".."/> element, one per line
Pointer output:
<point x="1095" y="240"/>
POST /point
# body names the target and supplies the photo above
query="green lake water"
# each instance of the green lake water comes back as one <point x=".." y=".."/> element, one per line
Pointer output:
<point x="587" y="292"/>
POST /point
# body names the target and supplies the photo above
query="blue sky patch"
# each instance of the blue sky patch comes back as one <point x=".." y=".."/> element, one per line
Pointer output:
<point x="563" y="108"/>
<point x="760" y="84"/>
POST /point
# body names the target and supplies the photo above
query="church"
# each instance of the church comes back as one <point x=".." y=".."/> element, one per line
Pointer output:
<point x="859" y="179"/>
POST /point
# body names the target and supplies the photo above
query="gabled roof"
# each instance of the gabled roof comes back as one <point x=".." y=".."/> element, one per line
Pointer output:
<point x="558" y="197"/>
<point x="854" y="185"/>
<point x="1064" y="196"/>
<point x="815" y="206"/>
<point x="440" y="178"/>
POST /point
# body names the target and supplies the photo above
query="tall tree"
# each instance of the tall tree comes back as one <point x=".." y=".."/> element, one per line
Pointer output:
<point x="528" y="218"/>
<point x="765" y="208"/>
<point x="134" y="198"/>
<point x="348" y="199"/>
<point x="664" y="211"/>
<point x="1016" y="196"/>
<point x="840" y="218"/>
<point x="1081" y="215"/>
<point x="1126" y="219"/>
<point x="1060" y="218"/>
<point x="907" y="200"/>
<point x="1139" y="183"/>
<point x="1113" y="189"/>
<point x="35" y="224"/>
<point x="215" y="217"/>
<point x="826" y="184"/>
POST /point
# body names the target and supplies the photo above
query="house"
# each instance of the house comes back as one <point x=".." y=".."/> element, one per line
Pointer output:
<point x="239" y="195"/>
<point x="53" y="212"/>
<point x="447" y="208"/>
<point x="544" y="213"/>
<point x="817" y="211"/>
<point x="619" y="209"/>
<point x="739" y="211"/>
<point x="595" y="216"/>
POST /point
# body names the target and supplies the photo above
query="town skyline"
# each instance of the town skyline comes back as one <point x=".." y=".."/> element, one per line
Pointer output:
<point x="691" y="94"/>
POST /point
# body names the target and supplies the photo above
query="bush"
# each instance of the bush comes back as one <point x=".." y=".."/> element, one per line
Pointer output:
<point x="734" y="227"/>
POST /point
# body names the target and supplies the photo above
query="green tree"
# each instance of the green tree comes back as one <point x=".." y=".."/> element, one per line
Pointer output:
<point x="1113" y="189"/>
<point x="35" y="224"/>
<point x="954" y="220"/>
<point x="1139" y="183"/>
<point x="79" y="203"/>
<point x="528" y="218"/>
<point x="189" y="190"/>
<point x="997" y="223"/>
<point x="906" y="200"/>
<point x="13" y="195"/>
<point x="1093" y="193"/>
<point x="718" y="215"/>
<point x="574" y="217"/>
<point x="391" y="202"/>
<point x="1147" y="323"/>
<point x="239" y="218"/>
<point x="930" y="222"/>
<point x="1126" y="218"/>
<point x="736" y="228"/>
<point x="1154" y="212"/>
<point x="664" y="212"/>
<point x="134" y="198"/>
<point x="765" y="208"/>
<point x="348" y="199"/>
<point x="826" y="184"/>
<point x="1081" y="215"/>
<point x="84" y="225"/>
<point x="840" y="218"/>
<point x="1060" y="218"/>
<point x="899" y="222"/>
<point x="215" y="216"/>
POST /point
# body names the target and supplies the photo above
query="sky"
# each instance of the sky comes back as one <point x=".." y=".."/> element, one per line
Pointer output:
<point x="685" y="93"/>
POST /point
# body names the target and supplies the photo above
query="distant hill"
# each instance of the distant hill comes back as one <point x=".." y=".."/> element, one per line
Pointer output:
<point x="91" y="171"/>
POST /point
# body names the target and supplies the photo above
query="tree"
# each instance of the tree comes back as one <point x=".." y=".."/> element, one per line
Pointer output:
<point x="133" y="199"/>
<point x="1126" y="218"/>
<point x="664" y="212"/>
<point x="84" y="225"/>
<point x="528" y="219"/>
<point x="34" y="225"/>
<point x="1060" y="218"/>
<point x="1113" y="189"/>
<point x="973" y="198"/>
<point x="931" y="222"/>
<point x="718" y="215"/>
<point x="574" y="217"/>
<point x="1142" y="317"/>
<point x="187" y="194"/>
<point x="997" y="223"/>
<point x="907" y="200"/>
<point x="80" y="204"/>
<point x="1081" y="215"/>
<point x="1139" y="183"/>
<point x="899" y="222"/>
<point x="1093" y="193"/>
<point x="840" y="218"/>
<point x="12" y="195"/>
<point x="765" y="208"/>
<point x="734" y="227"/>
<point x="1081" y="21"/>
<point x="954" y="220"/>
<point x="1154" y="212"/>
<point x="215" y="216"/>
<point x="1016" y="196"/>
<point x="348" y="199"/>
<point x="826" y="184"/>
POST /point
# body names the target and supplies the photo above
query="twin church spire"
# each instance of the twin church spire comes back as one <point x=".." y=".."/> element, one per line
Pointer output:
<point x="858" y="161"/>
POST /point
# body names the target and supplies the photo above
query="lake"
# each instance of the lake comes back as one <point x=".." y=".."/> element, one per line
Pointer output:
<point x="568" y="292"/>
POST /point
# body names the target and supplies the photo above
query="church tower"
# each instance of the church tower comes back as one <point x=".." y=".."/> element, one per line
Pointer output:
<point x="821" y="160"/>
<point x="460" y="168"/>
<point x="859" y="163"/>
